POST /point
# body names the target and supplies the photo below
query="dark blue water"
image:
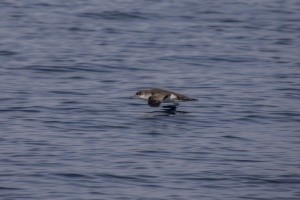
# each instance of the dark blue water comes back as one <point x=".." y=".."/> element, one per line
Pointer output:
<point x="68" y="130"/>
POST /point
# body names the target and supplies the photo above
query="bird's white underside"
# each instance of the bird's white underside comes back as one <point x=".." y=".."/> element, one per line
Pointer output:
<point x="172" y="98"/>
<point x="145" y="97"/>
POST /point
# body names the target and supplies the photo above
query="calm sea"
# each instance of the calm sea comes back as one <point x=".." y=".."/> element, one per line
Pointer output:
<point x="68" y="130"/>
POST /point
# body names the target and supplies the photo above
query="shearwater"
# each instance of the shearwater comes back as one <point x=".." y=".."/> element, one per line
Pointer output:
<point x="157" y="96"/>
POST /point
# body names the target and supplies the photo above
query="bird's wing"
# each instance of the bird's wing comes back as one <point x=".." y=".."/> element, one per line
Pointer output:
<point x="156" y="100"/>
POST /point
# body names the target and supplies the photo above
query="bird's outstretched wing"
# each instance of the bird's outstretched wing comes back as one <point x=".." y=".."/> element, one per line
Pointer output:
<point x="156" y="100"/>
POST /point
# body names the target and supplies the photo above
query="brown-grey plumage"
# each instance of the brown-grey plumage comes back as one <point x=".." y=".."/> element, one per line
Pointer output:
<point x="157" y="96"/>
<point x="156" y="100"/>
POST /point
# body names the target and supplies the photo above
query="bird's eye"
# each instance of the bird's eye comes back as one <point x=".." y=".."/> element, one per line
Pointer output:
<point x="138" y="93"/>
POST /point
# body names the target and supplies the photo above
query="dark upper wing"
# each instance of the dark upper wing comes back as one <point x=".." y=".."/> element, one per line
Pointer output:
<point x="155" y="100"/>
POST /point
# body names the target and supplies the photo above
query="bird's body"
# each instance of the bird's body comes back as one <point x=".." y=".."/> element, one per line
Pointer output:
<point x="157" y="96"/>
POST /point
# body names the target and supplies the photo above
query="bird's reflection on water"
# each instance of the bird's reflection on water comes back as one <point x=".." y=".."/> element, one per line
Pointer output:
<point x="169" y="110"/>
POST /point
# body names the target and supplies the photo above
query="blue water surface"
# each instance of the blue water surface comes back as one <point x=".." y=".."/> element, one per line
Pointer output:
<point x="69" y="131"/>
